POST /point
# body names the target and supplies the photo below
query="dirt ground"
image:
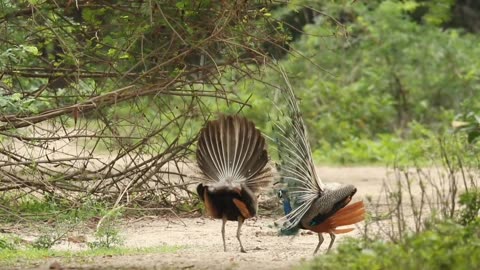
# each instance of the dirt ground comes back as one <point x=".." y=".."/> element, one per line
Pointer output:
<point x="201" y="243"/>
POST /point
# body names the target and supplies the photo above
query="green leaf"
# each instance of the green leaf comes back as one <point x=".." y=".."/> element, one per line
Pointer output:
<point x="410" y="5"/>
<point x="16" y="97"/>
<point x="31" y="49"/>
<point x="180" y="5"/>
<point x="473" y="136"/>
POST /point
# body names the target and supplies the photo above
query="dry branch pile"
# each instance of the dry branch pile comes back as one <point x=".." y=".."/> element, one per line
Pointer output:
<point x="105" y="98"/>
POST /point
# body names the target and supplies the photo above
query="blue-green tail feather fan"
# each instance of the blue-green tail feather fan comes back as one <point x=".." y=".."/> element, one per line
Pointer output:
<point x="307" y="202"/>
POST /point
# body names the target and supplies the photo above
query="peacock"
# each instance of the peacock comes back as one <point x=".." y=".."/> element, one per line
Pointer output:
<point x="233" y="163"/>
<point x="308" y="203"/>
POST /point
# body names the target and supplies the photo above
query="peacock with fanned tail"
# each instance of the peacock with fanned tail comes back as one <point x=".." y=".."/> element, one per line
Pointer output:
<point x="234" y="167"/>
<point x="308" y="203"/>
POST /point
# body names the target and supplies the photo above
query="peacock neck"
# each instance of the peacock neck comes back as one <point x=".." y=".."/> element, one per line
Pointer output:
<point x="287" y="207"/>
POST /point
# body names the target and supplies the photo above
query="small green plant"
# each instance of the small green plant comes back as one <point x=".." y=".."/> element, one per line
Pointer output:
<point x="107" y="234"/>
<point x="52" y="235"/>
<point x="106" y="237"/>
<point x="6" y="244"/>
<point x="45" y="241"/>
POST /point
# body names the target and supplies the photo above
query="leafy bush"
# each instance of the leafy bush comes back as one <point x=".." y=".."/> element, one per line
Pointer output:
<point x="470" y="211"/>
<point x="447" y="245"/>
<point x="428" y="224"/>
<point x="388" y="75"/>
<point x="384" y="148"/>
<point x="470" y="124"/>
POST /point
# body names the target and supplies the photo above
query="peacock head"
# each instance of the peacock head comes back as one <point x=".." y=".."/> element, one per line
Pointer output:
<point x="281" y="193"/>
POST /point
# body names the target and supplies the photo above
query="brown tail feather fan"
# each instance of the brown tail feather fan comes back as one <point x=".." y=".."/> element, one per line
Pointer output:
<point x="233" y="162"/>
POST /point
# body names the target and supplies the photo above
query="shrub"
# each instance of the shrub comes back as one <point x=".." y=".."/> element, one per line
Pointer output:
<point x="447" y="245"/>
<point x="470" y="202"/>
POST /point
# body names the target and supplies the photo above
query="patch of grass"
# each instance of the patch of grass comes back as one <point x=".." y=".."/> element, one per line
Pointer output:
<point x="67" y="217"/>
<point x="44" y="208"/>
<point x="11" y="257"/>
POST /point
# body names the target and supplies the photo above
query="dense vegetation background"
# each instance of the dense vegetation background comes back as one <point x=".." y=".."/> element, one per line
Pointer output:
<point x="395" y="74"/>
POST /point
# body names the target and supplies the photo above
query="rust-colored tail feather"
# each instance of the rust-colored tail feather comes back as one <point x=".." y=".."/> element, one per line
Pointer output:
<point x="242" y="207"/>
<point x="340" y="231"/>
<point x="211" y="209"/>
<point x="348" y="215"/>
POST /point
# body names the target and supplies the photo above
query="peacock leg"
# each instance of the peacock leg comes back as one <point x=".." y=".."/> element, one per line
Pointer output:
<point x="224" y="220"/>
<point x="320" y="241"/>
<point x="240" y="223"/>
<point x="332" y="237"/>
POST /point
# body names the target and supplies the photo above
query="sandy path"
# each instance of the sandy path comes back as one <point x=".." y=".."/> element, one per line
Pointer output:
<point x="202" y="247"/>
<point x="367" y="179"/>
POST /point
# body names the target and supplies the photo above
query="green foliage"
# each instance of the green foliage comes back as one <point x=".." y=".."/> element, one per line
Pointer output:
<point x="51" y="235"/>
<point x="390" y="75"/>
<point x="8" y="243"/>
<point x="67" y="218"/>
<point x="45" y="241"/>
<point x="470" y="124"/>
<point x="470" y="202"/>
<point x="445" y="246"/>
<point x="395" y="67"/>
<point x="385" y="149"/>
<point x="438" y="12"/>
<point x="62" y="54"/>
